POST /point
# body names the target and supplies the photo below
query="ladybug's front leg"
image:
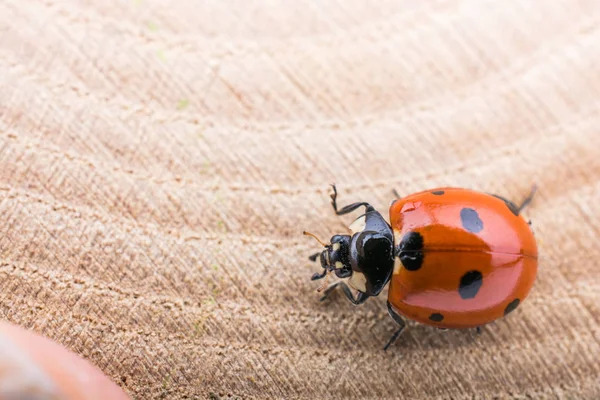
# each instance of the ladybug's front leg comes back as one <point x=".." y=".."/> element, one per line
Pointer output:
<point x="349" y="208"/>
<point x="316" y="276"/>
<point x="314" y="257"/>
<point x="360" y="297"/>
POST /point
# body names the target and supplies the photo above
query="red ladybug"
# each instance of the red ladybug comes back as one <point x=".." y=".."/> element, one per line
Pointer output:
<point x="455" y="258"/>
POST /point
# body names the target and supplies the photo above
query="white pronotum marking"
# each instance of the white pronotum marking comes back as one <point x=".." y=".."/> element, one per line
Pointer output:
<point x="358" y="281"/>
<point x="358" y="225"/>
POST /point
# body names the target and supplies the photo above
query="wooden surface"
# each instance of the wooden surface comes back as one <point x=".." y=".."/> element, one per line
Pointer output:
<point x="158" y="164"/>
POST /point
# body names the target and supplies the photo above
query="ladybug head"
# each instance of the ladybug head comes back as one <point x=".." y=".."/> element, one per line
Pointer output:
<point x="366" y="256"/>
<point x="335" y="257"/>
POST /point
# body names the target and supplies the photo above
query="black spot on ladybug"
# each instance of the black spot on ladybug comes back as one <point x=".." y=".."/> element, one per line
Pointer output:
<point x="438" y="192"/>
<point x="410" y="251"/>
<point x="511" y="206"/>
<point x="436" y="317"/>
<point x="470" y="220"/>
<point x="512" y="306"/>
<point x="412" y="241"/>
<point x="412" y="261"/>
<point x="470" y="284"/>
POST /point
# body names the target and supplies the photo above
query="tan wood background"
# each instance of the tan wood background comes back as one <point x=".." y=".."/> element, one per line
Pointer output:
<point x="159" y="160"/>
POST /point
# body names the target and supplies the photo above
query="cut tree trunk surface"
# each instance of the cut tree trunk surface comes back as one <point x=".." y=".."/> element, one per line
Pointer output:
<point x="159" y="163"/>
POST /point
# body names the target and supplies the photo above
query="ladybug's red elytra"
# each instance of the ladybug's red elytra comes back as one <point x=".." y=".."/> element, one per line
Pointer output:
<point x="455" y="258"/>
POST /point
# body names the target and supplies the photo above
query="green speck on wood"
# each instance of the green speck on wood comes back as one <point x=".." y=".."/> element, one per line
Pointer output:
<point x="221" y="226"/>
<point x="183" y="103"/>
<point x="205" y="167"/>
<point x="199" y="327"/>
<point x="161" y="55"/>
<point x="165" y="382"/>
<point x="152" y="26"/>
<point x="210" y="301"/>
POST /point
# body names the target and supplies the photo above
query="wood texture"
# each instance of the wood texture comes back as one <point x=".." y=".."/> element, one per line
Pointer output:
<point x="159" y="162"/>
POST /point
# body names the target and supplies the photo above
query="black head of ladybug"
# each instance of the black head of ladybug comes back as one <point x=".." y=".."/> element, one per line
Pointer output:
<point x="335" y="258"/>
<point x="366" y="256"/>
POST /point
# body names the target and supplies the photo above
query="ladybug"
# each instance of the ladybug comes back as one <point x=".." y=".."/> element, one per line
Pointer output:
<point x="454" y="258"/>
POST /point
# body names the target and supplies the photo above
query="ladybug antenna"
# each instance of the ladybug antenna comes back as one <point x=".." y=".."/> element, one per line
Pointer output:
<point x="316" y="238"/>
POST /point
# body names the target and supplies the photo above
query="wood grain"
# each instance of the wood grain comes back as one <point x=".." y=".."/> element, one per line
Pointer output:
<point x="159" y="162"/>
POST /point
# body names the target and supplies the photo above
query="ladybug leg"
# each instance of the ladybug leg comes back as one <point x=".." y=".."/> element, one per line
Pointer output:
<point x="396" y="194"/>
<point x="349" y="208"/>
<point x="317" y="276"/>
<point x="515" y="208"/>
<point x="478" y="330"/>
<point x="360" y="297"/>
<point x="398" y="320"/>
<point x="328" y="291"/>
<point x="314" y="257"/>
<point x="343" y="273"/>
<point x="528" y="199"/>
